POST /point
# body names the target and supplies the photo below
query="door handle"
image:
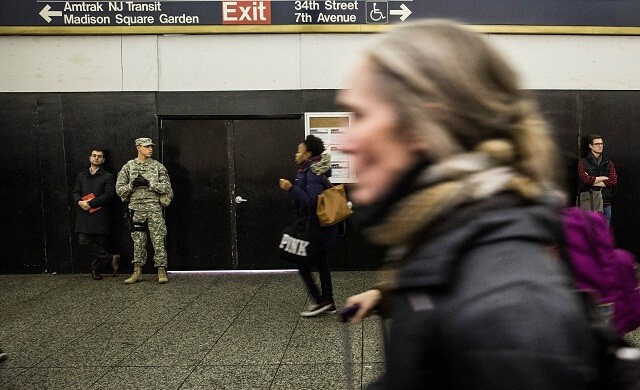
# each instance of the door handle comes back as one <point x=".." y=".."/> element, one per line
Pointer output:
<point x="240" y="199"/>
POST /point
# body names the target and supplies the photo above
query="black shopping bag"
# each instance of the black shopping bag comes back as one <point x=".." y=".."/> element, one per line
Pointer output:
<point x="300" y="243"/>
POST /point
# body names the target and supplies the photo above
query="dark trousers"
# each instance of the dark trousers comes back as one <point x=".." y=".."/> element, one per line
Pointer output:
<point x="326" y="295"/>
<point x="97" y="244"/>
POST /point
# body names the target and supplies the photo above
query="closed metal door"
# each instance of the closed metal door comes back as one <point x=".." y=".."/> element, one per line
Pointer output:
<point x="228" y="209"/>
<point x="196" y="155"/>
<point x="263" y="152"/>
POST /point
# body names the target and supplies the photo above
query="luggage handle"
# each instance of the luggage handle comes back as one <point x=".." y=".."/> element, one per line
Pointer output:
<point x="344" y="316"/>
<point x="347" y="313"/>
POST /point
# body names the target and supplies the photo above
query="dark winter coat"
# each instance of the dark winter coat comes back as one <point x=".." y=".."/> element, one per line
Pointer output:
<point x="590" y="165"/>
<point x="305" y="190"/>
<point x="102" y="185"/>
<point x="483" y="304"/>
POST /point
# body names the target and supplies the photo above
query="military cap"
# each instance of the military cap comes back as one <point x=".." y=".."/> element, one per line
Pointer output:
<point x="144" y="142"/>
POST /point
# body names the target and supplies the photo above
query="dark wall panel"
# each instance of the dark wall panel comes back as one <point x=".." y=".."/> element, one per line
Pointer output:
<point x="615" y="115"/>
<point x="230" y="103"/>
<point x="560" y="110"/>
<point x="111" y="121"/>
<point x="246" y="103"/>
<point x="320" y="100"/>
<point x="55" y="207"/>
<point x="21" y="226"/>
<point x="45" y="138"/>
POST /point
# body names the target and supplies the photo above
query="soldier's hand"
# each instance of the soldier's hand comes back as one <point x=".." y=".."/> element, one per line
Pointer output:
<point x="139" y="182"/>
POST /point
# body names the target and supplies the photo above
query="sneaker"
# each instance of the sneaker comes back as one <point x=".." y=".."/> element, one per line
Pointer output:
<point x="318" y="308"/>
<point x="331" y="309"/>
<point x="3" y="356"/>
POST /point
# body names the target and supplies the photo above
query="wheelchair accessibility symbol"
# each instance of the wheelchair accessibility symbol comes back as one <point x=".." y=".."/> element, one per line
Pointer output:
<point x="377" y="12"/>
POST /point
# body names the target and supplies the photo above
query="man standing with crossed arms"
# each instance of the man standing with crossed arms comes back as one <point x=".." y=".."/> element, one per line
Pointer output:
<point x="597" y="175"/>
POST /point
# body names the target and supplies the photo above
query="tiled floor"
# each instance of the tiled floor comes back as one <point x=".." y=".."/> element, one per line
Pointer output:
<point x="215" y="331"/>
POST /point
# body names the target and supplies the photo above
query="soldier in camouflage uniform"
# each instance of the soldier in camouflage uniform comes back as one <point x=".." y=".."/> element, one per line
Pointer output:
<point x="140" y="182"/>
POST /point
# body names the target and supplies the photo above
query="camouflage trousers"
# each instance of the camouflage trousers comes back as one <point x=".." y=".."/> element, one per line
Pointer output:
<point x="157" y="232"/>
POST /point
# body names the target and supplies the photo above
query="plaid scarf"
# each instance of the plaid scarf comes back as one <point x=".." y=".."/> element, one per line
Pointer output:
<point x="437" y="190"/>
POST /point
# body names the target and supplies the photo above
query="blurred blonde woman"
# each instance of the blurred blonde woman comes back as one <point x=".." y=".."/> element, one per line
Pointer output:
<point x="458" y="171"/>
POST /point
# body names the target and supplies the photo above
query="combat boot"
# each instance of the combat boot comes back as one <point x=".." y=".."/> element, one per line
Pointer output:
<point x="137" y="275"/>
<point x="162" y="275"/>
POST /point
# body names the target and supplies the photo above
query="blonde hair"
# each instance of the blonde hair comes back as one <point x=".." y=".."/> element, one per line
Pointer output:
<point x="452" y="91"/>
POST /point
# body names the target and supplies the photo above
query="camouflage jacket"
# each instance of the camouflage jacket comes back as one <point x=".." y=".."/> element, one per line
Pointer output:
<point x="143" y="198"/>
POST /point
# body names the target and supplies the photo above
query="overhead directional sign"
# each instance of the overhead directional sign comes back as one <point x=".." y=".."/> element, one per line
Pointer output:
<point x="220" y="16"/>
<point x="46" y="13"/>
<point x="403" y="12"/>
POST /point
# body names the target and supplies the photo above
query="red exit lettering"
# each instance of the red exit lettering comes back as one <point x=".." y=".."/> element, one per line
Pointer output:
<point x="246" y="12"/>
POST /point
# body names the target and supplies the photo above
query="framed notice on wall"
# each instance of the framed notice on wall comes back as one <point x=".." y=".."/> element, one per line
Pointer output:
<point x="331" y="127"/>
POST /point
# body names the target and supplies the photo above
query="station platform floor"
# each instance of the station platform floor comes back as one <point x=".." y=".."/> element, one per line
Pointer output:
<point x="199" y="331"/>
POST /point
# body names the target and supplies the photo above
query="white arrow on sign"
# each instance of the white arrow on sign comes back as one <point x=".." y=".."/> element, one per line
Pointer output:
<point x="46" y="13"/>
<point x="404" y="12"/>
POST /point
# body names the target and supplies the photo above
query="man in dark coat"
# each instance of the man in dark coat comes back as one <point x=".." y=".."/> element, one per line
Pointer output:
<point x="597" y="177"/>
<point x="93" y="192"/>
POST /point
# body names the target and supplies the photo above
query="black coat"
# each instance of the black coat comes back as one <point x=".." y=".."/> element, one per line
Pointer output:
<point x="592" y="168"/>
<point x="484" y="305"/>
<point x="102" y="185"/>
<point x="305" y="191"/>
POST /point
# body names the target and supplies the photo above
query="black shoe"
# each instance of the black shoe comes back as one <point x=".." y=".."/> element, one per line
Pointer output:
<point x="95" y="275"/>
<point x="3" y="356"/>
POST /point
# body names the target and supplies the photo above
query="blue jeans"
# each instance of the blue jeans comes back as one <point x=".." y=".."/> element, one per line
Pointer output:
<point x="607" y="212"/>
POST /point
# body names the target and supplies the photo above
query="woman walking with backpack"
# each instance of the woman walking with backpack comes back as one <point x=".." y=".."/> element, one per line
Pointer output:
<point x="313" y="170"/>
